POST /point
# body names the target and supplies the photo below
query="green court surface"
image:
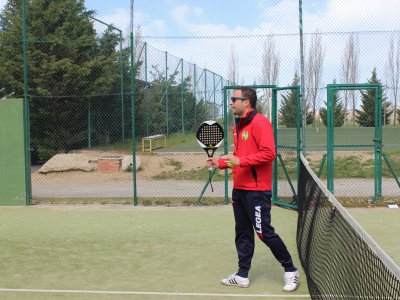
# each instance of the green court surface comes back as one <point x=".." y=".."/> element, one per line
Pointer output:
<point x="125" y="252"/>
<point x="383" y="225"/>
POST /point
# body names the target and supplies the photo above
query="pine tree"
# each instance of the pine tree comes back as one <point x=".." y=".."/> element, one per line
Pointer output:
<point x="67" y="61"/>
<point x="366" y="115"/>
<point x="289" y="105"/>
<point x="338" y="112"/>
<point x="398" y="115"/>
<point x="288" y="108"/>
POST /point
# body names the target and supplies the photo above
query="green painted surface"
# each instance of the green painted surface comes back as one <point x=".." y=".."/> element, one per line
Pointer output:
<point x="12" y="159"/>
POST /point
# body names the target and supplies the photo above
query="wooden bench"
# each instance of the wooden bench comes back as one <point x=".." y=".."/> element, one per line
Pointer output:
<point x="154" y="141"/>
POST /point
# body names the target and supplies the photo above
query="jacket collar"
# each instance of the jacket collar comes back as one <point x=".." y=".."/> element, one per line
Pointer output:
<point x="241" y="122"/>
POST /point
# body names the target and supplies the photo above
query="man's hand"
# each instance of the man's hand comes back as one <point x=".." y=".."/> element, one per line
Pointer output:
<point x="212" y="163"/>
<point x="231" y="160"/>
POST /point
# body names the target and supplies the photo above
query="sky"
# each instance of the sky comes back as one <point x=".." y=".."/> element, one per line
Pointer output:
<point x="202" y="19"/>
<point x="230" y="17"/>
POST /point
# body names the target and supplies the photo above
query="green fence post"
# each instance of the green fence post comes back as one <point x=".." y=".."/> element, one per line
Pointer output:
<point x="182" y="98"/>
<point x="205" y="91"/>
<point x="396" y="178"/>
<point x="298" y="131"/>
<point x="89" y="123"/>
<point x="121" y="68"/>
<point x="214" y="91"/>
<point x="195" y="93"/>
<point x="27" y="145"/>
<point x="146" y="89"/>
<point x="378" y="142"/>
<point x="225" y="114"/>
<point x="166" y="91"/>
<point x="132" y="71"/>
<point x="275" y="127"/>
<point x="330" y="140"/>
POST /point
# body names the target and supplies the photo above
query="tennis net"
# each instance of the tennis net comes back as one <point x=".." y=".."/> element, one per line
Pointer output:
<point x="340" y="259"/>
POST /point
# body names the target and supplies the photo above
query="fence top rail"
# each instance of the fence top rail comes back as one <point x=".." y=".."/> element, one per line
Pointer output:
<point x="363" y="86"/>
<point x="292" y="87"/>
<point x="232" y="87"/>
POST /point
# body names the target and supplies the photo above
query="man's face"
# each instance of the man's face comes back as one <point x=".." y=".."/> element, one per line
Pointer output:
<point x="238" y="104"/>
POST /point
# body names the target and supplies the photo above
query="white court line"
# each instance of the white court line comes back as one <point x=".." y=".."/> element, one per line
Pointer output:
<point x="153" y="293"/>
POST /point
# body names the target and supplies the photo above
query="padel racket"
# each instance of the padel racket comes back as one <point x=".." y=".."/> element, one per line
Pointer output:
<point x="210" y="136"/>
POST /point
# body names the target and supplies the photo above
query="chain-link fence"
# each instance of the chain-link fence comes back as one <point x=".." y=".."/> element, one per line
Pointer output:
<point x="75" y="63"/>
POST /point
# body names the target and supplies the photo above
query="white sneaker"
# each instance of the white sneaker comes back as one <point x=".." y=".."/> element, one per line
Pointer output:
<point x="235" y="280"/>
<point x="291" y="280"/>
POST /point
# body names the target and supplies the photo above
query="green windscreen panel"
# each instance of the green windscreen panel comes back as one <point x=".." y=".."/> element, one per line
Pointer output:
<point x="12" y="158"/>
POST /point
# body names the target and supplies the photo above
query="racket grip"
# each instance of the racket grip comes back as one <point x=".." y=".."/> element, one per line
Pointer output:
<point x="210" y="168"/>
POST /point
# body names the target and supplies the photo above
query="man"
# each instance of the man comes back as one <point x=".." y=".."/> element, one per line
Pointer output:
<point x="252" y="159"/>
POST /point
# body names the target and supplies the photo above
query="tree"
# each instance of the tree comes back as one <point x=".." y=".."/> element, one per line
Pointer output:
<point x="314" y="66"/>
<point x="233" y="72"/>
<point x="366" y="115"/>
<point x="270" y="70"/>
<point x="398" y="115"/>
<point x="393" y="74"/>
<point x="11" y="52"/>
<point x="338" y="112"/>
<point x="156" y="105"/>
<point x="288" y="108"/>
<point x="350" y="71"/>
<point x="69" y="66"/>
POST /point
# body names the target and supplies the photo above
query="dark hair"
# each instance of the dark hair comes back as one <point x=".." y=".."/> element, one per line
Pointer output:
<point x="249" y="93"/>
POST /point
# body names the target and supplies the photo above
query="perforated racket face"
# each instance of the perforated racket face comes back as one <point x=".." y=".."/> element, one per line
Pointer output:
<point x="210" y="136"/>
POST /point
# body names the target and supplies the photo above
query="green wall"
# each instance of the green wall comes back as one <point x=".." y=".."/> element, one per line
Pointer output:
<point x="12" y="158"/>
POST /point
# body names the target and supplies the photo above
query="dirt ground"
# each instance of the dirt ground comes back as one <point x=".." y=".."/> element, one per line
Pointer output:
<point x="152" y="165"/>
<point x="149" y="165"/>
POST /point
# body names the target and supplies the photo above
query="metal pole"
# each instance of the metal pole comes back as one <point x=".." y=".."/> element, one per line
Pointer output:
<point x="225" y="115"/>
<point x="121" y="68"/>
<point x="146" y="89"/>
<point x="131" y="15"/>
<point x="89" y="124"/>
<point x="214" y="88"/>
<point x="378" y="142"/>
<point x="302" y="80"/>
<point x="195" y="94"/>
<point x="27" y="145"/>
<point x="205" y="93"/>
<point x="182" y="99"/>
<point x="166" y="90"/>
<point x="132" y="71"/>
<point x="330" y="141"/>
<point x="274" y="122"/>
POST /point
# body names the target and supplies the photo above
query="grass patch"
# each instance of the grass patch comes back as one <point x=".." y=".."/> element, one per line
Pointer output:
<point x="82" y="200"/>
<point x="181" y="201"/>
<point x="355" y="166"/>
<point x="200" y="173"/>
<point x="180" y="138"/>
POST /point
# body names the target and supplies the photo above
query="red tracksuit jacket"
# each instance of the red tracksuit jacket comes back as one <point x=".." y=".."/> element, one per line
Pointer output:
<point x="254" y="144"/>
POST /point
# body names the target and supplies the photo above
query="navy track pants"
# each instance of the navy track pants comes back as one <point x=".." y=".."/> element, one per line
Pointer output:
<point x="252" y="211"/>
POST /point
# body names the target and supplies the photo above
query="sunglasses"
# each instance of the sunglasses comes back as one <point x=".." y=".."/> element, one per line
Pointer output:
<point x="233" y="99"/>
